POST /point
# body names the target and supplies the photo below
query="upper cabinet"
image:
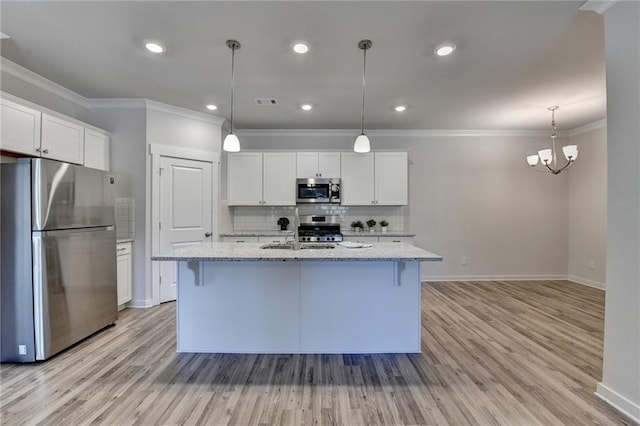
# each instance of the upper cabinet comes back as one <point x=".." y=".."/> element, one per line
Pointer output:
<point x="37" y="133"/>
<point x="379" y="178"/>
<point x="20" y="128"/>
<point x="96" y="149"/>
<point x="62" y="140"/>
<point x="318" y="164"/>
<point x="261" y="179"/>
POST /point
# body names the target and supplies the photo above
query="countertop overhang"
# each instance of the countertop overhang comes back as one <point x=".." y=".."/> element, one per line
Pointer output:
<point x="225" y="252"/>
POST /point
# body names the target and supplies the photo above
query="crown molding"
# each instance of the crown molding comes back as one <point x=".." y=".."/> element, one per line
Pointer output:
<point x="122" y="103"/>
<point x="589" y="127"/>
<point x="183" y="112"/>
<point x="395" y="133"/>
<point x="41" y="82"/>
<point x="598" y="6"/>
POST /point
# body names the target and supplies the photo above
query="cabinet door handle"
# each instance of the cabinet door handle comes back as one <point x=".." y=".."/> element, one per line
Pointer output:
<point x="46" y="151"/>
<point x="239" y="241"/>
<point x="207" y="234"/>
<point x="38" y="150"/>
<point x="121" y="249"/>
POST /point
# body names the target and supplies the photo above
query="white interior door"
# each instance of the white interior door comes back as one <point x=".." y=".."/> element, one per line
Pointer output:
<point x="185" y="212"/>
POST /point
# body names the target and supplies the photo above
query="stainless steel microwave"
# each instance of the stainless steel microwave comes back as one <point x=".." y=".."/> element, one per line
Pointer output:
<point x="318" y="190"/>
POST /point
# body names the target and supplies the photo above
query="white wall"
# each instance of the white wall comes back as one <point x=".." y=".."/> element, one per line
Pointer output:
<point x="588" y="207"/>
<point x="127" y="124"/>
<point x="470" y="196"/>
<point x="182" y="128"/>
<point x="621" y="371"/>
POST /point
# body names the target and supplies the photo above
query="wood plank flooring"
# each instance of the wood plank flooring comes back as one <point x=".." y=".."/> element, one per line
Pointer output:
<point x="493" y="353"/>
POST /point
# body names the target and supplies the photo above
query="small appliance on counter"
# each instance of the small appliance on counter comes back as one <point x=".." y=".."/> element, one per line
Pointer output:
<point x="318" y="190"/>
<point x="283" y="222"/>
<point x="58" y="279"/>
<point x="322" y="229"/>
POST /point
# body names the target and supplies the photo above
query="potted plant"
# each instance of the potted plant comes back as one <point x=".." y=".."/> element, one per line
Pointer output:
<point x="371" y="224"/>
<point x="383" y="225"/>
<point x="357" y="225"/>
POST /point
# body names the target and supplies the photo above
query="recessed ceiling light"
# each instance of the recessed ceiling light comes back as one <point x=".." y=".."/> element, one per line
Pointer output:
<point x="155" y="47"/>
<point x="400" y="108"/>
<point x="212" y="107"/>
<point x="300" y="47"/>
<point x="306" y="107"/>
<point x="445" y="49"/>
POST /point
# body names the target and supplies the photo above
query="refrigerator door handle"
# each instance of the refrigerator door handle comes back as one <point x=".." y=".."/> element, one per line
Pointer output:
<point x="57" y="232"/>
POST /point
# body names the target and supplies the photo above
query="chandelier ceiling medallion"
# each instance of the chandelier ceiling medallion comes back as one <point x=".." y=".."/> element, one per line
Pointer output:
<point x="548" y="157"/>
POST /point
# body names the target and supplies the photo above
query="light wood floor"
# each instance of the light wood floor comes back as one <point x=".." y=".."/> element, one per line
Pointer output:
<point x="493" y="353"/>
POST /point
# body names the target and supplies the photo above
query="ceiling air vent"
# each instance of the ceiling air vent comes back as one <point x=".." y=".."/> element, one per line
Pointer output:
<point x="266" y="101"/>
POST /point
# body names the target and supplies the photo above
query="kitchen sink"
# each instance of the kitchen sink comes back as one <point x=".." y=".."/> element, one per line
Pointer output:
<point x="303" y="246"/>
<point x="277" y="246"/>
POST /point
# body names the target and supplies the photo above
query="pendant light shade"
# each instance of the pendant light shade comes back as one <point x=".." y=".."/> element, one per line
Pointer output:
<point x="231" y="142"/>
<point x="362" y="144"/>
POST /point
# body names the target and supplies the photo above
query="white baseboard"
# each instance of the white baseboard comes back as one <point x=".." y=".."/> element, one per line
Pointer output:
<point x="584" y="281"/>
<point x="492" y="277"/>
<point x="625" y="406"/>
<point x="142" y="303"/>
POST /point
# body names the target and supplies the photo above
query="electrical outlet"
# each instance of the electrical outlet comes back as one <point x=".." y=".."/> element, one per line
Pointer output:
<point x="463" y="260"/>
<point x="592" y="264"/>
<point x="22" y="349"/>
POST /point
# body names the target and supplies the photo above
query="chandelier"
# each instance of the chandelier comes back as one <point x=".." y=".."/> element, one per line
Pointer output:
<point x="548" y="157"/>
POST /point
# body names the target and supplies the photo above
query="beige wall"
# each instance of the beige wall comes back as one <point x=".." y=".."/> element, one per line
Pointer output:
<point x="588" y="208"/>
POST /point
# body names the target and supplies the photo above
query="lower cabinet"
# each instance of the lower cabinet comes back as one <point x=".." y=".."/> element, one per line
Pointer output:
<point x="123" y="260"/>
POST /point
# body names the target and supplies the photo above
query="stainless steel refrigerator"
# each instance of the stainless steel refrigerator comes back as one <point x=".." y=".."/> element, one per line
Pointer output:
<point x="58" y="257"/>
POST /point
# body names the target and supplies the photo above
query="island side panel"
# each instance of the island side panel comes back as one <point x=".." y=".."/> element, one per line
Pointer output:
<point x="238" y="307"/>
<point x="360" y="307"/>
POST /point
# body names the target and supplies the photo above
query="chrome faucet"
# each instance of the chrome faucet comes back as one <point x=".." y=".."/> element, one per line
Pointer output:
<point x="296" y="222"/>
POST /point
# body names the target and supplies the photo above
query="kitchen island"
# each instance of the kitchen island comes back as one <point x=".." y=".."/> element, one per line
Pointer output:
<point x="240" y="298"/>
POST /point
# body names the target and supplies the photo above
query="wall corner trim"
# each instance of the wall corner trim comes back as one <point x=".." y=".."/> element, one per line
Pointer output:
<point x="598" y="6"/>
<point x="589" y="127"/>
<point x="625" y="406"/>
<point x="397" y="132"/>
<point x="140" y="303"/>
<point x="41" y="82"/>
<point x="183" y="112"/>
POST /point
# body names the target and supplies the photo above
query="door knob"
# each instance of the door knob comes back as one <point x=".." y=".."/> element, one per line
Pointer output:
<point x="208" y="234"/>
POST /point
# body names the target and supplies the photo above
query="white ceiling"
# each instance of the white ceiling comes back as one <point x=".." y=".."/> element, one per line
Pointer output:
<point x="514" y="59"/>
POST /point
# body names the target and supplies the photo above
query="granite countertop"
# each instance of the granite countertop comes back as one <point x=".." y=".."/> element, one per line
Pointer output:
<point x="124" y="240"/>
<point x="346" y="233"/>
<point x="253" y="252"/>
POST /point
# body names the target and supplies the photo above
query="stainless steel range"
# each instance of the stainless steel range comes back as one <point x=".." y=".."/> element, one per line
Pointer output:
<point x="324" y="229"/>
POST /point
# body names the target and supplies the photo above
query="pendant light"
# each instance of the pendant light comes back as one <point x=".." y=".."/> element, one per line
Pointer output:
<point x="231" y="142"/>
<point x="362" y="144"/>
<point x="548" y="157"/>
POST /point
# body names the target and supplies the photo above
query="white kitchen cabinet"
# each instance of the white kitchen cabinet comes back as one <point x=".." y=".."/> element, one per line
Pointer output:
<point x="239" y="239"/>
<point x="318" y="164"/>
<point x="124" y="273"/>
<point x="96" y="149"/>
<point x="279" y="179"/>
<point x="20" y="128"/>
<point x="62" y="139"/>
<point x="257" y="179"/>
<point x="379" y="178"/>
<point x="244" y="179"/>
<point x="357" y="179"/>
<point x="391" y="178"/>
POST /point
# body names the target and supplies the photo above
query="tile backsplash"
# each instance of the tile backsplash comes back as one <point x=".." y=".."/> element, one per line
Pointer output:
<point x="125" y="218"/>
<point x="250" y="218"/>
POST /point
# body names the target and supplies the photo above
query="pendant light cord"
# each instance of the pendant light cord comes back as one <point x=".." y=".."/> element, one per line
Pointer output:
<point x="364" y="70"/>
<point x="233" y="56"/>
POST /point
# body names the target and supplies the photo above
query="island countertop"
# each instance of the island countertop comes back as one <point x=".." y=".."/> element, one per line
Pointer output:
<point x="253" y="252"/>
